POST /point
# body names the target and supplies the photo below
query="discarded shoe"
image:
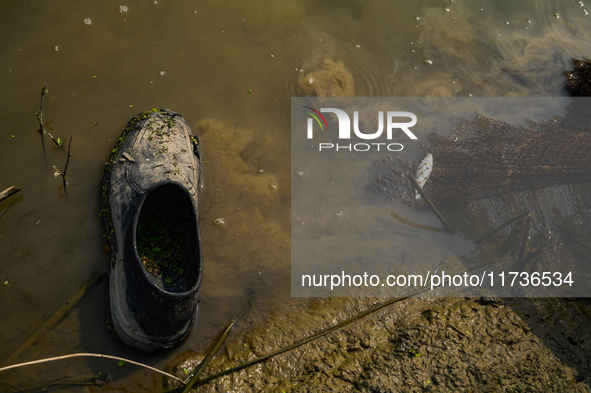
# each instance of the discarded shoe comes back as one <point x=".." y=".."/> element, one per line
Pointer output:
<point x="149" y="205"/>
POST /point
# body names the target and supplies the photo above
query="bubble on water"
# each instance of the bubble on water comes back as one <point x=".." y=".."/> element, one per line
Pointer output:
<point x="299" y="173"/>
<point x="123" y="8"/>
<point x="56" y="48"/>
<point x="162" y="73"/>
<point x="557" y="16"/>
<point x="428" y="62"/>
<point x="447" y="10"/>
<point x="219" y="221"/>
<point x="585" y="12"/>
<point x="87" y="21"/>
<point x="417" y="18"/>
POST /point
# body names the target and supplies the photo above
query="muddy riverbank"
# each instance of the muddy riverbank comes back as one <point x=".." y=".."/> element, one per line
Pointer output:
<point x="421" y="344"/>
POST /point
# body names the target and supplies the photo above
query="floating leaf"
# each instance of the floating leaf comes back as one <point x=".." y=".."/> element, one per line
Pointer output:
<point x="121" y="363"/>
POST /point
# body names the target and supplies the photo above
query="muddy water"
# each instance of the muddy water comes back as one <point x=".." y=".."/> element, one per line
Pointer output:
<point x="230" y="68"/>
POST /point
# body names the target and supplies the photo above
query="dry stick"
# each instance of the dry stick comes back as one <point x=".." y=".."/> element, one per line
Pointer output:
<point x="433" y="209"/>
<point x="55" y="318"/>
<point x="58" y="172"/>
<point x="67" y="161"/>
<point x="195" y="375"/>
<point x="39" y="113"/>
<point x="10" y="191"/>
<point x="308" y="339"/>
<point x="479" y="239"/>
<point x="94" y="355"/>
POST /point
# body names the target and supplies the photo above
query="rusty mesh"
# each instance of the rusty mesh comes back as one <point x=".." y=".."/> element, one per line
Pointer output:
<point x="485" y="157"/>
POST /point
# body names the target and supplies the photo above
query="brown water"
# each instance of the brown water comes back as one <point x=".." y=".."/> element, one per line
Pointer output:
<point x="230" y="68"/>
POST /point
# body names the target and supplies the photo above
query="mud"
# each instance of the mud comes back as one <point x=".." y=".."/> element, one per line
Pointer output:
<point x="419" y="345"/>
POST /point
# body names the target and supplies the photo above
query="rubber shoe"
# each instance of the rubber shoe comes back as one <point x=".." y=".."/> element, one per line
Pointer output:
<point x="149" y="205"/>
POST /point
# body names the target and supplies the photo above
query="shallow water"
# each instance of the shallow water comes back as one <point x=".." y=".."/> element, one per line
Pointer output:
<point x="230" y="68"/>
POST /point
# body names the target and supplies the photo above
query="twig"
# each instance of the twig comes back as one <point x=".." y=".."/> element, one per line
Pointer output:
<point x="67" y="161"/>
<point x="39" y="113"/>
<point x="95" y="355"/>
<point x="431" y="206"/>
<point x="58" y="142"/>
<point x="404" y="221"/>
<point x="57" y="171"/>
<point x="195" y="374"/>
<point x="55" y="318"/>
<point x="479" y="239"/>
<point x="10" y="191"/>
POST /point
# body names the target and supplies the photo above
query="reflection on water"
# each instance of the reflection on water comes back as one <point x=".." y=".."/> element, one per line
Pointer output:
<point x="229" y="67"/>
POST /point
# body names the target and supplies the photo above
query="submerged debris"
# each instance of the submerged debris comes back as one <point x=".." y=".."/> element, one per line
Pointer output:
<point x="424" y="171"/>
<point x="579" y="80"/>
<point x="485" y="157"/>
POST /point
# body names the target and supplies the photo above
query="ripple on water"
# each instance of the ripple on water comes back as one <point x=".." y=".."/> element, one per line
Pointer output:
<point x="334" y="69"/>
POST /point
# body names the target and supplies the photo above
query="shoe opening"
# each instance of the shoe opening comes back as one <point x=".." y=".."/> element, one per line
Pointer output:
<point x="167" y="241"/>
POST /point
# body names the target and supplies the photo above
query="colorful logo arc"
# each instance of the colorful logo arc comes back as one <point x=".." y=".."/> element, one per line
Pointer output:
<point x="315" y="117"/>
